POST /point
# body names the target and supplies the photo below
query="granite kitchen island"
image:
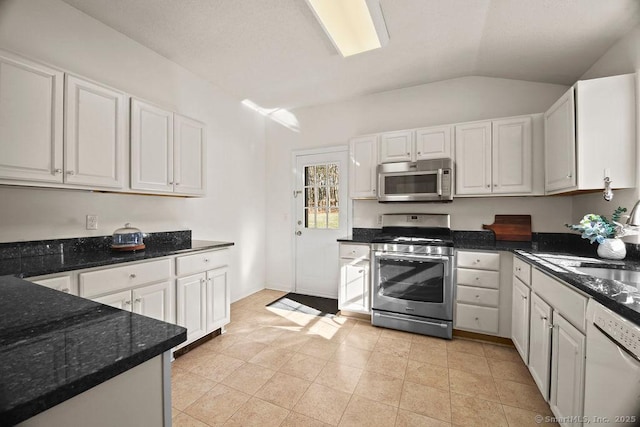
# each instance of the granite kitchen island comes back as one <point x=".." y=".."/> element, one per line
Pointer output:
<point x="67" y="361"/>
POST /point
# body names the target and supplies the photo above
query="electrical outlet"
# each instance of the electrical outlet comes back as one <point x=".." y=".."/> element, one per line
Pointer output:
<point x="92" y="222"/>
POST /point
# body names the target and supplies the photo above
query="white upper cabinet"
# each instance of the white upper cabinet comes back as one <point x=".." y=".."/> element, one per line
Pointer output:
<point x="189" y="155"/>
<point x="497" y="157"/>
<point x="363" y="160"/>
<point x="433" y="143"/>
<point x="396" y="146"/>
<point x="473" y="158"/>
<point x="512" y="155"/>
<point x="95" y="134"/>
<point x="168" y="151"/>
<point x="560" y="144"/>
<point x="31" y="121"/>
<point x="590" y="133"/>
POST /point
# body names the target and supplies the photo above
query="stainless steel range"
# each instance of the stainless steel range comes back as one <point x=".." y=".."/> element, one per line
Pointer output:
<point x="413" y="274"/>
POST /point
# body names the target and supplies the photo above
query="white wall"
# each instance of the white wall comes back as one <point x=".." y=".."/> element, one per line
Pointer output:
<point x="56" y="33"/>
<point x="450" y="101"/>
<point x="622" y="58"/>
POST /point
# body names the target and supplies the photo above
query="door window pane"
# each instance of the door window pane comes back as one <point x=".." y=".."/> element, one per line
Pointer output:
<point x="321" y="204"/>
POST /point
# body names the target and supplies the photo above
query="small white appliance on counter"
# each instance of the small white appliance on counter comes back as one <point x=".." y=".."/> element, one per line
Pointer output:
<point x="612" y="378"/>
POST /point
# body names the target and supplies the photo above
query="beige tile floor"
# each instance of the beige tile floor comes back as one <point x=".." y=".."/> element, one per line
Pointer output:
<point x="281" y="368"/>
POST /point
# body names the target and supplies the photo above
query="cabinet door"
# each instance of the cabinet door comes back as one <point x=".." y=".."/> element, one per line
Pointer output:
<point x="520" y="318"/>
<point x="151" y="148"/>
<point x="154" y="301"/>
<point x="121" y="300"/>
<point x="190" y="299"/>
<point x="540" y="344"/>
<point x="354" y="286"/>
<point x="567" y="369"/>
<point x="190" y="154"/>
<point x="218" y="298"/>
<point x="94" y="134"/>
<point x="30" y="120"/>
<point x="396" y="146"/>
<point x="473" y="158"/>
<point x="363" y="161"/>
<point x="560" y="144"/>
<point x="433" y="143"/>
<point x="512" y="156"/>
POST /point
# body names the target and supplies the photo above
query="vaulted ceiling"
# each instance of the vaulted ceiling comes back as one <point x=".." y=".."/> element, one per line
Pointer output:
<point x="275" y="53"/>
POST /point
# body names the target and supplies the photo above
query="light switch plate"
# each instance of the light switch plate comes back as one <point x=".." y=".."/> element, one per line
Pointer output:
<point x="92" y="222"/>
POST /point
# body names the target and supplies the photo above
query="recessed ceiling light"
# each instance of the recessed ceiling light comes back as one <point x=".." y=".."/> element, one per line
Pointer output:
<point x="354" y="26"/>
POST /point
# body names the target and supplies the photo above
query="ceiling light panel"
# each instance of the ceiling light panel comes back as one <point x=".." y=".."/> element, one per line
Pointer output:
<point x="354" y="26"/>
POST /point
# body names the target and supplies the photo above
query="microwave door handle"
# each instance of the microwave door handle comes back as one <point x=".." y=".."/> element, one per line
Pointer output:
<point x="439" y="182"/>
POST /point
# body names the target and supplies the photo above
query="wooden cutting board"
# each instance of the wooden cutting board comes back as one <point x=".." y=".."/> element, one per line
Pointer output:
<point x="515" y="228"/>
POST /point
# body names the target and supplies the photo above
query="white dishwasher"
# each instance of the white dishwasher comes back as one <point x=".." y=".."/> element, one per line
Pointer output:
<point x="612" y="377"/>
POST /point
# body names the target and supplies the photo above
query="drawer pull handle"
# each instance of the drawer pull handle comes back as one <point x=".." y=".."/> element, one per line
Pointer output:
<point x="127" y="303"/>
<point x="65" y="290"/>
<point x="138" y="300"/>
<point x="132" y="275"/>
<point x="360" y="271"/>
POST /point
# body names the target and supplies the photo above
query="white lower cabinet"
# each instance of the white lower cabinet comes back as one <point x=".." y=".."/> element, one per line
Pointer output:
<point x="355" y="279"/>
<point x="520" y="318"/>
<point x="567" y="370"/>
<point x="64" y="283"/>
<point x="152" y="301"/>
<point x="540" y="344"/>
<point x="203" y="299"/>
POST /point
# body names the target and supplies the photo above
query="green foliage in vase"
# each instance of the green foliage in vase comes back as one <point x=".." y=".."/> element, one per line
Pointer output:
<point x="596" y="228"/>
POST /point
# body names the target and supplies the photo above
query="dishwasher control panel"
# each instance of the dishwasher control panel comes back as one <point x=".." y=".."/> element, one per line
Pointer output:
<point x="625" y="333"/>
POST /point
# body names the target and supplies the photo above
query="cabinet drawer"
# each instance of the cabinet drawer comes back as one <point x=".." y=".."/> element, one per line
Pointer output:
<point x="479" y="296"/>
<point x="479" y="278"/>
<point x="62" y="284"/>
<point x="522" y="270"/>
<point x="202" y="261"/>
<point x="354" y="251"/>
<point x="567" y="302"/>
<point x="483" y="319"/>
<point x="127" y="276"/>
<point x="479" y="260"/>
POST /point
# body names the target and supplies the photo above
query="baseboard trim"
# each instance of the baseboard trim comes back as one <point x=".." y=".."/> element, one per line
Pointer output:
<point x="187" y="348"/>
<point x="482" y="337"/>
<point x="360" y="316"/>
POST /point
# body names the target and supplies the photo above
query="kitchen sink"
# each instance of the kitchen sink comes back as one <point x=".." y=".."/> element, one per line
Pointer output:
<point x="625" y="276"/>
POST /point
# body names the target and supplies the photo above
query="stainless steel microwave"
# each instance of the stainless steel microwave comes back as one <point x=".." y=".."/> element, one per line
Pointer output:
<point x="421" y="181"/>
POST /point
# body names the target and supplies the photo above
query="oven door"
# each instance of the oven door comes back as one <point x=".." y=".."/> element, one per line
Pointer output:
<point x="419" y="285"/>
<point x="410" y="186"/>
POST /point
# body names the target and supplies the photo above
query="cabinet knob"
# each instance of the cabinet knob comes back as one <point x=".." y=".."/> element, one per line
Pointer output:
<point x="206" y="260"/>
<point x="477" y="296"/>
<point x="477" y="278"/>
<point x="524" y="297"/>
<point x="408" y="154"/>
<point x="518" y="269"/>
<point x="170" y="182"/>
<point x="477" y="318"/>
<point x="543" y="317"/>
<point x="132" y="276"/>
<point x="569" y="175"/>
<point x="495" y="185"/>
<point x="65" y="290"/>
<point x="419" y="153"/>
<point x="202" y="281"/>
<point x="138" y="300"/>
<point x="70" y="172"/>
<point x="551" y="326"/>
<point x="57" y="171"/>
<point x="488" y="185"/>
<point x="127" y="303"/>
<point x="360" y="271"/>
<point x="477" y="261"/>
<point x="373" y="191"/>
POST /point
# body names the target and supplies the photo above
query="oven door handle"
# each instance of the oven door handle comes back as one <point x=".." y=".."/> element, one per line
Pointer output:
<point x="443" y="258"/>
<point x="389" y="316"/>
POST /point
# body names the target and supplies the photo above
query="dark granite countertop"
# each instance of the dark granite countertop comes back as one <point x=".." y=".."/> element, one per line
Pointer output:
<point x="622" y="298"/>
<point x="48" y="263"/>
<point x="557" y="254"/>
<point x="54" y="346"/>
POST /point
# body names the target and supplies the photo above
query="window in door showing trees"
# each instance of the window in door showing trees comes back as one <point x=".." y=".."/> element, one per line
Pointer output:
<point x="321" y="207"/>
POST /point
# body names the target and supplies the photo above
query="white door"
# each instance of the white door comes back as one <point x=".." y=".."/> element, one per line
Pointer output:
<point x="354" y="289"/>
<point x="567" y="369"/>
<point x="560" y="144"/>
<point x="94" y="134"/>
<point x="121" y="300"/>
<point x="473" y="158"/>
<point x="190" y="301"/>
<point x="433" y="143"/>
<point x="321" y="218"/>
<point x="154" y="301"/>
<point x="396" y="146"/>
<point x="512" y="156"/>
<point x="540" y="344"/>
<point x="30" y="120"/>
<point x="190" y="153"/>
<point x="520" y="318"/>
<point x="363" y="164"/>
<point x="218" y="298"/>
<point x="151" y="148"/>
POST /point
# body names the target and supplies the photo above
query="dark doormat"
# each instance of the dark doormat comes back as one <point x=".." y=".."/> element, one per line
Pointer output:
<point x="317" y="306"/>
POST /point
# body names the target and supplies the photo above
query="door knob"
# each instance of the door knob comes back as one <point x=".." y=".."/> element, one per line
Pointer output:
<point x="298" y="233"/>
